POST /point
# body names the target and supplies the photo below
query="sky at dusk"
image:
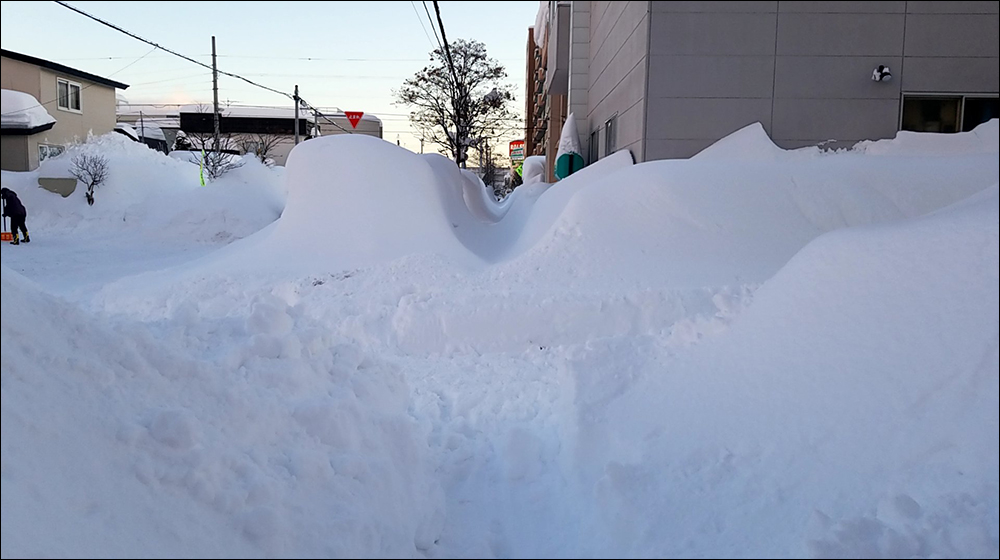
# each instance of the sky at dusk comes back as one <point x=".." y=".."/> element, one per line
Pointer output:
<point x="346" y="55"/>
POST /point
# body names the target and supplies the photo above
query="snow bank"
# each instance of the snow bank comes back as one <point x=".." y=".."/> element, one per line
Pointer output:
<point x="613" y="250"/>
<point x="533" y="170"/>
<point x="149" y="194"/>
<point x="714" y="220"/>
<point x="22" y="111"/>
<point x="859" y="389"/>
<point x="985" y="139"/>
<point x="266" y="439"/>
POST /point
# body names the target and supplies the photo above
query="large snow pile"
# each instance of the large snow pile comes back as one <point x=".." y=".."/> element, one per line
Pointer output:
<point x="22" y="111"/>
<point x="150" y="193"/>
<point x="230" y="448"/>
<point x="752" y="353"/>
<point x="852" y="408"/>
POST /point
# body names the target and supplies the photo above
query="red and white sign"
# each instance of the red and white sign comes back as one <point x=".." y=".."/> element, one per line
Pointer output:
<point x="354" y="117"/>
<point x="517" y="150"/>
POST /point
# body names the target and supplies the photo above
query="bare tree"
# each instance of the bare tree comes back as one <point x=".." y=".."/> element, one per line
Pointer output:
<point x="216" y="159"/>
<point x="459" y="99"/>
<point x="260" y="144"/>
<point x="223" y="160"/>
<point x="91" y="170"/>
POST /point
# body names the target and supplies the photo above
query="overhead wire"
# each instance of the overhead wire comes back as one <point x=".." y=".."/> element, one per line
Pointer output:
<point x="82" y="89"/>
<point x="421" y="20"/>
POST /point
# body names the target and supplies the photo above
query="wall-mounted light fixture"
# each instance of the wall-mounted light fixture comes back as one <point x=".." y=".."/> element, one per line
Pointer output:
<point x="881" y="74"/>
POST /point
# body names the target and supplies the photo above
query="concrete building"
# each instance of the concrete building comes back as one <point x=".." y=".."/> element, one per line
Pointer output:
<point x="667" y="79"/>
<point x="81" y="103"/>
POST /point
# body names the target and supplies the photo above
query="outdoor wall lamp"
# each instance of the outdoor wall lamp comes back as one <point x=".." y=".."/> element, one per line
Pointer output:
<point x="881" y="74"/>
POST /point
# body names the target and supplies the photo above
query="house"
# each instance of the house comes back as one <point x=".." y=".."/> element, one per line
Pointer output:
<point x="667" y="79"/>
<point x="81" y="103"/>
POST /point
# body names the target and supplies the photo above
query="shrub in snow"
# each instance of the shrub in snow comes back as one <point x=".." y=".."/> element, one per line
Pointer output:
<point x="91" y="170"/>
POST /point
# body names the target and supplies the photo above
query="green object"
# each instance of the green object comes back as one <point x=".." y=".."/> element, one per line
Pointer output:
<point x="568" y="164"/>
<point x="519" y="170"/>
<point x="201" y="168"/>
<point x="569" y="159"/>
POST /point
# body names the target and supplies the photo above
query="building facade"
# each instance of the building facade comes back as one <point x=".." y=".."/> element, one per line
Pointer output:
<point x="667" y="79"/>
<point x="81" y="103"/>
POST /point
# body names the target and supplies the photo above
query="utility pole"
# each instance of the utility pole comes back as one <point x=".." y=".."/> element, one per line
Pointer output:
<point x="296" y="99"/>
<point x="142" y="128"/>
<point x="215" y="94"/>
<point x="316" y="124"/>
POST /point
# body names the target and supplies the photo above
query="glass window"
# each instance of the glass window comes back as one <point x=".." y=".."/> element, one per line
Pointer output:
<point x="63" y="87"/>
<point x="46" y="151"/>
<point x="595" y="146"/>
<point x="931" y="114"/>
<point x="611" y="136"/>
<point x="977" y="111"/>
<point x="69" y="94"/>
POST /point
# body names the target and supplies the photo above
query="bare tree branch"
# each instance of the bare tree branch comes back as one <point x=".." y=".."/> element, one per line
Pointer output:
<point x="260" y="144"/>
<point x="91" y="170"/>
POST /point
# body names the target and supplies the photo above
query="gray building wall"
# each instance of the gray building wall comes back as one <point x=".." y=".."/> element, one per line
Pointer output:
<point x="711" y="73"/>
<point x="14" y="153"/>
<point x="803" y="69"/>
<point x="619" y="48"/>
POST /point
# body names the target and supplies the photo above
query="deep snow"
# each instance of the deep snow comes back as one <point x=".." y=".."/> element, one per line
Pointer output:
<point x="751" y="353"/>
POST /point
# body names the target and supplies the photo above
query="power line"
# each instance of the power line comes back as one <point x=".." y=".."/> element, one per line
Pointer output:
<point x="92" y="84"/>
<point x="444" y="38"/>
<point x="430" y="19"/>
<point x="148" y="42"/>
<point x="421" y="20"/>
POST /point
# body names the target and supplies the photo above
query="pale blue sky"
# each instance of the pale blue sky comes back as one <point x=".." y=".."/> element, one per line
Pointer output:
<point x="361" y="51"/>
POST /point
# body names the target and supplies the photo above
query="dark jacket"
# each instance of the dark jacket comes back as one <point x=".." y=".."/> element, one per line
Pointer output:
<point x="12" y="206"/>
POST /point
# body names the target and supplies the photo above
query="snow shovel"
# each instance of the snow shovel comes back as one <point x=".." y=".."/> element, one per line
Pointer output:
<point x="6" y="236"/>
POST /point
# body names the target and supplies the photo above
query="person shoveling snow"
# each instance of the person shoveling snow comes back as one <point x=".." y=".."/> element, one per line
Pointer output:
<point x="13" y="209"/>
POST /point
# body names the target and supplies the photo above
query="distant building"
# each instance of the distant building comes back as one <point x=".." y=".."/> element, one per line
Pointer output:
<point x="150" y="122"/>
<point x="81" y="103"/>
<point x="242" y="129"/>
<point x="536" y="99"/>
<point x="667" y="79"/>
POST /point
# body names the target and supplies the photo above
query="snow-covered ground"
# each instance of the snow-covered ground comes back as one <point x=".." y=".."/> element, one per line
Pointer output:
<point x="751" y="353"/>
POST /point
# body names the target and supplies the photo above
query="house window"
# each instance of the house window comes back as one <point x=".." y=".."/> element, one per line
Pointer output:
<point x="70" y="95"/>
<point x="46" y="151"/>
<point x="946" y="113"/>
<point x="611" y="136"/>
<point x="595" y="146"/>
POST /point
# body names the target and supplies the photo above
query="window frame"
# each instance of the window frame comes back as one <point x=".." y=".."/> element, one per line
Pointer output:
<point x="594" y="149"/>
<point x="611" y="135"/>
<point x="50" y="151"/>
<point x="70" y="84"/>
<point x="962" y="99"/>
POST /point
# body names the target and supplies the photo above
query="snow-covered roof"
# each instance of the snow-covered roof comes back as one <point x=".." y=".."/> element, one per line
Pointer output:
<point x="127" y="130"/>
<point x="21" y="111"/>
